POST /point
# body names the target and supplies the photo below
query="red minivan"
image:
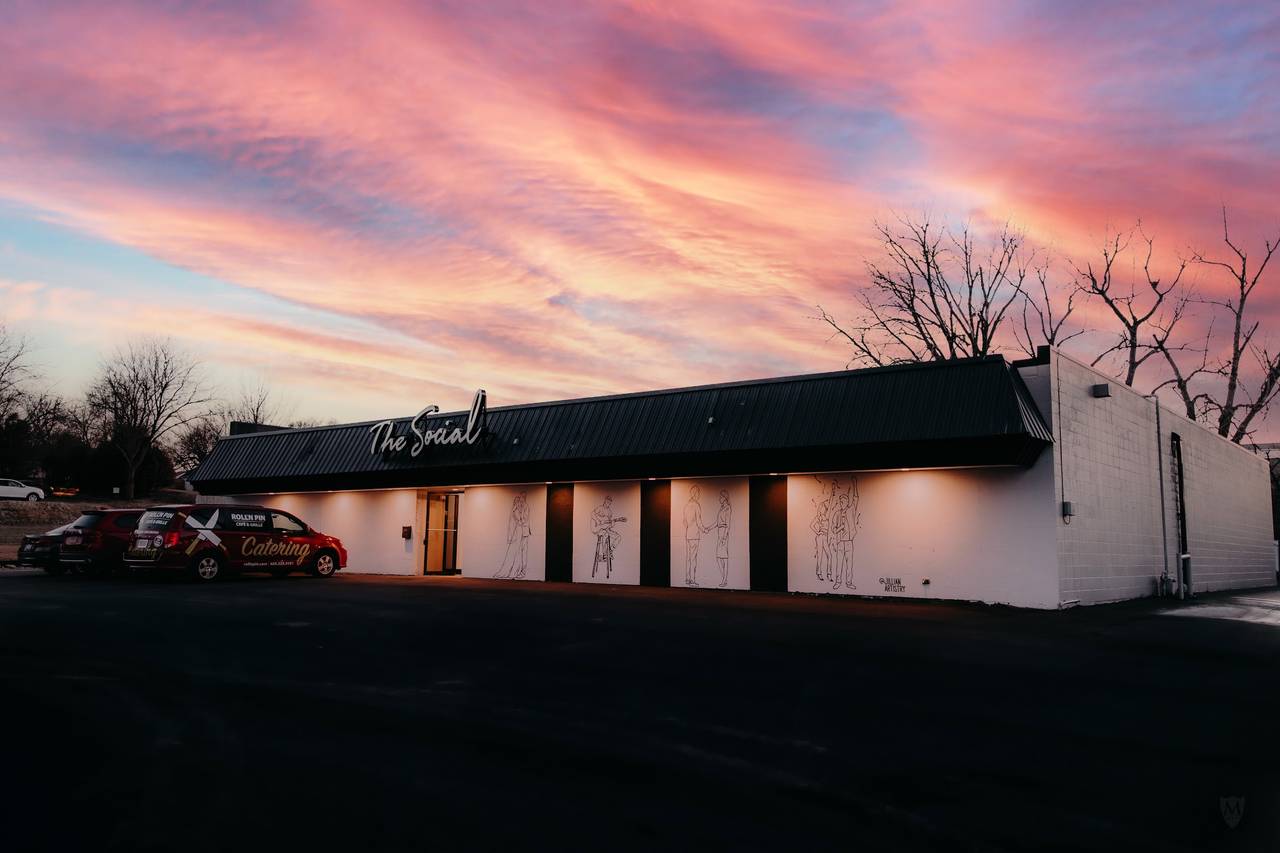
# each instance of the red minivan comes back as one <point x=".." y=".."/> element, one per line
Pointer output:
<point x="208" y="541"/>
<point x="96" y="541"/>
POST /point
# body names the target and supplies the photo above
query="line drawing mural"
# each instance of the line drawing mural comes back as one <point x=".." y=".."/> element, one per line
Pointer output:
<point x="516" y="561"/>
<point x="835" y="524"/>
<point x="695" y="529"/>
<point x="607" y="539"/>
<point x="724" y="522"/>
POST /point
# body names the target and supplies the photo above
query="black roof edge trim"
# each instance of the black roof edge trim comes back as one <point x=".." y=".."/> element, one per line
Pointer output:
<point x="737" y="383"/>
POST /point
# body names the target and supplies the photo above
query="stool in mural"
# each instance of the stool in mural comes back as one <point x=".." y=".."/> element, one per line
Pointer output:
<point x="607" y="539"/>
<point x="604" y="554"/>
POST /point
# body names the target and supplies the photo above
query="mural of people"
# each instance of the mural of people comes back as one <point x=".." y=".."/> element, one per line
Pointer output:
<point x="693" y="530"/>
<point x="844" y="526"/>
<point x="821" y="527"/>
<point x="516" y="560"/>
<point x="607" y="538"/>
<point x="724" y="522"/>
<point x="835" y="524"/>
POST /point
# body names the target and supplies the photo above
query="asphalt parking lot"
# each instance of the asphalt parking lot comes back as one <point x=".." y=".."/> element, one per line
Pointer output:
<point x="376" y="713"/>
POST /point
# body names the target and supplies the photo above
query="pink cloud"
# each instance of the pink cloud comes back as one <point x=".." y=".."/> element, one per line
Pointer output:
<point x="590" y="197"/>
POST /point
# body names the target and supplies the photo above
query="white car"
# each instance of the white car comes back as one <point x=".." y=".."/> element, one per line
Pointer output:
<point x="15" y="491"/>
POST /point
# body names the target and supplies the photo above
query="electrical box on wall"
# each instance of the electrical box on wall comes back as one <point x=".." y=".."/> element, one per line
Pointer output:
<point x="406" y="532"/>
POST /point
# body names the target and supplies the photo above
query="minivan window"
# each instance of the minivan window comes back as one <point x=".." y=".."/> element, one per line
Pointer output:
<point x="286" y="523"/>
<point x="87" y="521"/>
<point x="156" y="519"/>
<point x="237" y="518"/>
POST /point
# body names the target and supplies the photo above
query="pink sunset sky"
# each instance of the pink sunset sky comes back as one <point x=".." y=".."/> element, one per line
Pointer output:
<point x="374" y="205"/>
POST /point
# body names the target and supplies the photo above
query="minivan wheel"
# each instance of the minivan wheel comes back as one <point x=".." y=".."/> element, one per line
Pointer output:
<point x="207" y="567"/>
<point x="324" y="565"/>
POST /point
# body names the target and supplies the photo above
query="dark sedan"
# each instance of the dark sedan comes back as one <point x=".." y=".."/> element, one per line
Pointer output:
<point x="43" y="550"/>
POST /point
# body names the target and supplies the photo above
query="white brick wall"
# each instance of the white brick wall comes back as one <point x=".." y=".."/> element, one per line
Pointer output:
<point x="1106" y="461"/>
<point x="1228" y="490"/>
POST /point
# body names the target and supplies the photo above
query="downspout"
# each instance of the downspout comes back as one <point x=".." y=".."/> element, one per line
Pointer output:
<point x="1163" y="585"/>
<point x="1059" y="448"/>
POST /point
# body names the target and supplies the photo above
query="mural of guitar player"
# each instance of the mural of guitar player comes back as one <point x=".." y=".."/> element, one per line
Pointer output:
<point x="607" y="538"/>
<point x="516" y="561"/>
<point x="835" y="524"/>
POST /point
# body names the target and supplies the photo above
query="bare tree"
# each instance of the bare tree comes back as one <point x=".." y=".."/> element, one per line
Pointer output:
<point x="1156" y="305"/>
<point x="15" y="370"/>
<point x="80" y="421"/>
<point x="45" y="413"/>
<point x="936" y="296"/>
<point x="195" y="442"/>
<point x="143" y="394"/>
<point x="1045" y="314"/>
<point x="1184" y="381"/>
<point x="256" y="405"/>
<point x="1235" y="409"/>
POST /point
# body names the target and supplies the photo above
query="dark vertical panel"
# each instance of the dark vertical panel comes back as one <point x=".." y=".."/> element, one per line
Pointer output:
<point x="1180" y="508"/>
<point x="560" y="532"/>
<point x="655" y="533"/>
<point x="769" y="534"/>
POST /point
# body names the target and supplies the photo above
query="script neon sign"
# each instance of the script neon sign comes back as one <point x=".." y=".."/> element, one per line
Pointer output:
<point x="385" y="439"/>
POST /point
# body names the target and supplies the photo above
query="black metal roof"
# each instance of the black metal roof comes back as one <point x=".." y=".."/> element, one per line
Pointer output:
<point x="939" y="414"/>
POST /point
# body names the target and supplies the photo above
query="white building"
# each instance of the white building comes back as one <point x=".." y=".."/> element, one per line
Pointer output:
<point x="1039" y="483"/>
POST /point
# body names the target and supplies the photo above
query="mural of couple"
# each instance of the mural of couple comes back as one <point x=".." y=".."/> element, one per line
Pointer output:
<point x="695" y="528"/>
<point x="835" y="524"/>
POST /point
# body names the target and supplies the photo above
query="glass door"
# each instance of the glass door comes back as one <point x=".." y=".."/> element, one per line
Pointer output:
<point x="442" y="533"/>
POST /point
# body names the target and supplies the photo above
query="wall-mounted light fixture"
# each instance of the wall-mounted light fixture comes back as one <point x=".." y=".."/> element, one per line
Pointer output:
<point x="1067" y="511"/>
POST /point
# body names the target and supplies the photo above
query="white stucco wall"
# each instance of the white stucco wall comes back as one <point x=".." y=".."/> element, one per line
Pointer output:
<point x="626" y="558"/>
<point x="976" y="534"/>
<point x="704" y="556"/>
<point x="1108" y="463"/>
<point x="490" y="532"/>
<point x="368" y="523"/>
